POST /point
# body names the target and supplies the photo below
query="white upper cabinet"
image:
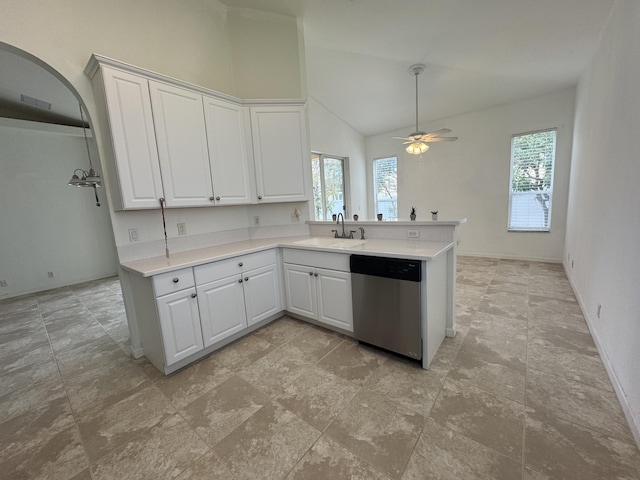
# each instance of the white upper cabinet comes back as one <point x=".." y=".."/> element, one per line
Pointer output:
<point x="280" y="152"/>
<point x="133" y="139"/>
<point x="227" y="152"/>
<point x="182" y="145"/>
<point x="196" y="147"/>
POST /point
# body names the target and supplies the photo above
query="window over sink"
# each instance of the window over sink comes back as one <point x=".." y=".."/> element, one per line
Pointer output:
<point x="329" y="185"/>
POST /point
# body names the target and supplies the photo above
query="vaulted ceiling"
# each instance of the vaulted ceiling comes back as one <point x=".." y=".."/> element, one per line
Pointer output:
<point x="478" y="53"/>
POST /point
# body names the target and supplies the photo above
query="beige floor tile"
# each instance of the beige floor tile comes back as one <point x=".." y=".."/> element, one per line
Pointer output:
<point x="407" y="384"/>
<point x="219" y="411"/>
<point x="186" y="385"/>
<point x="443" y="454"/>
<point x="108" y="424"/>
<point x="512" y="285"/>
<point x="504" y="336"/>
<point x="579" y="403"/>
<point x="101" y="383"/>
<point x="327" y="460"/>
<point x="311" y="345"/>
<point x="353" y="362"/>
<point x="243" y="352"/>
<point x="22" y="304"/>
<point x="378" y="430"/>
<point x="317" y="396"/>
<point x="564" y="450"/>
<point x="207" y="467"/>
<point x="282" y="330"/>
<point x="474" y="277"/>
<point x="268" y="445"/>
<point x="36" y="425"/>
<point x="539" y="306"/>
<point x="493" y="421"/>
<point x="57" y="456"/>
<point x="272" y="373"/>
<point x="490" y="372"/>
<point x="553" y="354"/>
<point x="506" y="304"/>
<point x="163" y="451"/>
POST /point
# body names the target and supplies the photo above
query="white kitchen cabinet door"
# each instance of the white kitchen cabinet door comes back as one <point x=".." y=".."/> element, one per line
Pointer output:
<point x="180" y="324"/>
<point x="334" y="298"/>
<point x="301" y="290"/>
<point x="280" y="152"/>
<point x="133" y="139"/>
<point x="262" y="293"/>
<point x="227" y="143"/>
<point x="182" y="145"/>
<point x="222" y="310"/>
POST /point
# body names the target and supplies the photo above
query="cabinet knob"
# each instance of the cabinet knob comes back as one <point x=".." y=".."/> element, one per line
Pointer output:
<point x="194" y="295"/>
<point x="311" y="273"/>
<point x="176" y="280"/>
<point x="259" y="197"/>
<point x="211" y="198"/>
<point x="240" y="281"/>
<point x="240" y="264"/>
<point x="315" y="274"/>
<point x="217" y="198"/>
<point x="246" y="279"/>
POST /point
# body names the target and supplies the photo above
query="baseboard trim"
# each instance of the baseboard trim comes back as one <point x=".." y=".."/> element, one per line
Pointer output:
<point x="500" y="256"/>
<point x="634" y="423"/>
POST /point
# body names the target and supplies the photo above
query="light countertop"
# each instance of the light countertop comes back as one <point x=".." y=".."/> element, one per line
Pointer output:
<point x="410" y="249"/>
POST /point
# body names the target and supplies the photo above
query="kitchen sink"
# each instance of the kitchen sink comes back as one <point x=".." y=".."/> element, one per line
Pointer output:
<point x="331" y="242"/>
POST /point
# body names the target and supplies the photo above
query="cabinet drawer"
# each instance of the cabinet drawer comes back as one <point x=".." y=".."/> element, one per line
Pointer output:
<point x="173" y="281"/>
<point x="225" y="268"/>
<point x="332" y="261"/>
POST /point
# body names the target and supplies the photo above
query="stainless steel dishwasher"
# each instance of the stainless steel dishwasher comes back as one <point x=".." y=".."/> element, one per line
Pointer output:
<point x="386" y="303"/>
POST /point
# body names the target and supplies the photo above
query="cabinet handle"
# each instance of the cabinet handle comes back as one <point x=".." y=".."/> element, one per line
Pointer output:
<point x="211" y="198"/>
<point x="240" y="281"/>
<point x="176" y="280"/>
<point x="194" y="295"/>
<point x="259" y="197"/>
<point x="240" y="264"/>
<point x="246" y="279"/>
<point x="217" y="198"/>
<point x="315" y="274"/>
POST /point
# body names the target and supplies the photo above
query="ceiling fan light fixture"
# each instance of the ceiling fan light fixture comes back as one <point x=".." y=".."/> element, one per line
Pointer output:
<point x="417" y="148"/>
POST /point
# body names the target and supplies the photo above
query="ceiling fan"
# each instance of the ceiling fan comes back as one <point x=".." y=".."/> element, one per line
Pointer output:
<point x="417" y="142"/>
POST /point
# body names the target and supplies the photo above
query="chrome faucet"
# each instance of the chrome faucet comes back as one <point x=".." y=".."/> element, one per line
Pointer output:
<point x="341" y="216"/>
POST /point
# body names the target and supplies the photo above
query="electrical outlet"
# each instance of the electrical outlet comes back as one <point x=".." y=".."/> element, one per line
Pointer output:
<point x="256" y="220"/>
<point x="133" y="234"/>
<point x="571" y="263"/>
<point x="413" y="233"/>
<point x="4" y="283"/>
<point x="50" y="274"/>
<point x="182" y="229"/>
<point x="599" y="310"/>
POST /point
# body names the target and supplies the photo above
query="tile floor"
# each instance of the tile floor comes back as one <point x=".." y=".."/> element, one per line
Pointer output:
<point x="519" y="393"/>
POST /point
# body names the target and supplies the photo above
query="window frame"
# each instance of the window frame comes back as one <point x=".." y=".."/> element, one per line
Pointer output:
<point x="530" y="229"/>
<point x="374" y="204"/>
<point x="345" y="180"/>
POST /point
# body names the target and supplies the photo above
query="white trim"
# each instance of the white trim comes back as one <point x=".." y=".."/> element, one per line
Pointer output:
<point x="634" y="423"/>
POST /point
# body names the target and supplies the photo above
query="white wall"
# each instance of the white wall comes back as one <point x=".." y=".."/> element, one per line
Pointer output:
<point x="48" y="226"/>
<point x="235" y="51"/>
<point x="603" y="225"/>
<point x="470" y="177"/>
<point x="330" y="135"/>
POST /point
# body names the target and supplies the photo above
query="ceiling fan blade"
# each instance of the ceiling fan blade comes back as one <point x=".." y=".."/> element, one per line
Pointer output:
<point x="441" y="139"/>
<point x="438" y="132"/>
<point x="401" y="138"/>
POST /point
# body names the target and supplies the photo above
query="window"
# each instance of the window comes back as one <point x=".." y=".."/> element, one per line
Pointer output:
<point x="385" y="187"/>
<point x="531" y="180"/>
<point x="328" y="185"/>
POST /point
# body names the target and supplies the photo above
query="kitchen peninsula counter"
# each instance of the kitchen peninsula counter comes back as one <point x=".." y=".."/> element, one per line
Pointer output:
<point x="409" y="249"/>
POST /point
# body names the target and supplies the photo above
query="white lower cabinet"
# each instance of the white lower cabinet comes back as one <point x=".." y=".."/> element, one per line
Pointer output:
<point x="180" y="324"/>
<point x="222" y="311"/>
<point x="320" y="294"/>
<point x="262" y="297"/>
